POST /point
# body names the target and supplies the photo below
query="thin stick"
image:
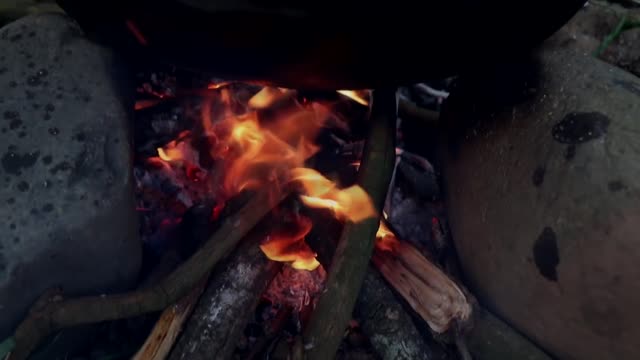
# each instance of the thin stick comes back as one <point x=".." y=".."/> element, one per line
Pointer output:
<point x="428" y="90"/>
<point x="55" y="315"/>
<point x="333" y="311"/>
<point x="168" y="327"/>
<point x="407" y="110"/>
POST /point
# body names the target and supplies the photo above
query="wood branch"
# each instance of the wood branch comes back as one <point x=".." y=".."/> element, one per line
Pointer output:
<point x="426" y="288"/>
<point x="197" y="228"/>
<point x="166" y="330"/>
<point x="388" y="326"/>
<point x="57" y="314"/>
<point x="429" y="91"/>
<point x="407" y="110"/>
<point x="382" y="318"/>
<point x="227" y="304"/>
<point x="333" y="311"/>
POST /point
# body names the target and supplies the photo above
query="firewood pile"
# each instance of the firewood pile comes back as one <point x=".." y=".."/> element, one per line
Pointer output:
<point x="207" y="288"/>
<point x="271" y="309"/>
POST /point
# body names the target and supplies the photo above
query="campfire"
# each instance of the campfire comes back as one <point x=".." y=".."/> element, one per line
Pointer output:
<point x="233" y="151"/>
<point x="260" y="210"/>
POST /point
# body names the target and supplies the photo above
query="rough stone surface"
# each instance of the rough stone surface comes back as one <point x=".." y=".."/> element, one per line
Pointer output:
<point x="65" y="166"/>
<point x="592" y="24"/>
<point x="544" y="205"/>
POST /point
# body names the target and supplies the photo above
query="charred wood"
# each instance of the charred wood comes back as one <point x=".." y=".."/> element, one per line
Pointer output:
<point x="227" y="303"/>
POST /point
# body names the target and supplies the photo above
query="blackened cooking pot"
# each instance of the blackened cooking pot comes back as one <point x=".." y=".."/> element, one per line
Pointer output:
<point x="322" y="44"/>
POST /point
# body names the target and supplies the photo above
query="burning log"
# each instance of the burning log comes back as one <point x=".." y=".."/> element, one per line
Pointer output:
<point x="333" y="311"/>
<point x="428" y="290"/>
<point x="52" y="314"/>
<point x="227" y="304"/>
<point x="382" y="318"/>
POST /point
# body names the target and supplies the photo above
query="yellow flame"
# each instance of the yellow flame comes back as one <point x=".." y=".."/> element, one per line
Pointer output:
<point x="386" y="240"/>
<point x="266" y="97"/>
<point x="290" y="247"/>
<point x="255" y="152"/>
<point x="357" y="96"/>
<point x="351" y="203"/>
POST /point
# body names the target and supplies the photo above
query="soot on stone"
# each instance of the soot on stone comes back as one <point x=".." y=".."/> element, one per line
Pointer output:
<point x="63" y="166"/>
<point x="616" y="185"/>
<point x="538" y="176"/>
<point x="545" y="254"/>
<point x="23" y="186"/>
<point x="13" y="162"/>
<point x="580" y="127"/>
<point x="570" y="152"/>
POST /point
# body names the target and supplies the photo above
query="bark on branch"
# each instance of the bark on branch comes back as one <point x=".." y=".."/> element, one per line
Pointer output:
<point x="333" y="311"/>
<point x="382" y="317"/>
<point x="410" y="111"/>
<point x="166" y="330"/>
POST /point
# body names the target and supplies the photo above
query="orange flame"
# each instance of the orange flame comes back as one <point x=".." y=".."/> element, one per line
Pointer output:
<point x="219" y="85"/>
<point x="268" y="96"/>
<point x="386" y="240"/>
<point x="291" y="247"/>
<point x="263" y="157"/>
<point x="254" y="152"/>
<point x="352" y="203"/>
<point x="358" y="96"/>
<point x="177" y="150"/>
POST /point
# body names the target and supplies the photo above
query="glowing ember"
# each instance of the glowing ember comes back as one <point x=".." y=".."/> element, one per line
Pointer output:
<point x="252" y="153"/>
<point x="296" y="289"/>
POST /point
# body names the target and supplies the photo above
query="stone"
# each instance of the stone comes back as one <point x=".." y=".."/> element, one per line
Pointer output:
<point x="65" y="163"/>
<point x="592" y="24"/>
<point x="15" y="9"/>
<point x="544" y="203"/>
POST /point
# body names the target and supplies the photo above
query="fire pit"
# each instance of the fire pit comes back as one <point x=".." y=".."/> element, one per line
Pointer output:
<point x="220" y="165"/>
<point x="261" y="206"/>
<point x="255" y="144"/>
